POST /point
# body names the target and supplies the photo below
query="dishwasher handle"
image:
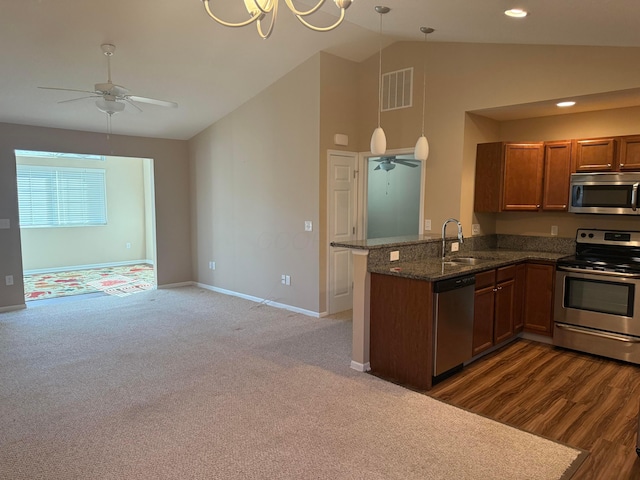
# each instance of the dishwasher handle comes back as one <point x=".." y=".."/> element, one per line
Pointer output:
<point x="454" y="283"/>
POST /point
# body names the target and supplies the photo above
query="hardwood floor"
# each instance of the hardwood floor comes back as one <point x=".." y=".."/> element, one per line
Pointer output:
<point x="577" y="399"/>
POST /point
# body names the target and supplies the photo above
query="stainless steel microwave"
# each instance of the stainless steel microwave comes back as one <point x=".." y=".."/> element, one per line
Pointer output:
<point x="605" y="193"/>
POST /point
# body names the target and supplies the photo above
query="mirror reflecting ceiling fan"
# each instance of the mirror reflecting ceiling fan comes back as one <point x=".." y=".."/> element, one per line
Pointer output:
<point x="389" y="163"/>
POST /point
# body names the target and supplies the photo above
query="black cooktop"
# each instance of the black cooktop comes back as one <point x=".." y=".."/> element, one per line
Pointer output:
<point x="605" y="250"/>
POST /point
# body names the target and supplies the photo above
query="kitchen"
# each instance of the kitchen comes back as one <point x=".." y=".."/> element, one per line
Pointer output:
<point x="404" y="345"/>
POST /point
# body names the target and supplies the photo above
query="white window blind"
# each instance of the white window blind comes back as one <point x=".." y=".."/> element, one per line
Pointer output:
<point x="60" y="196"/>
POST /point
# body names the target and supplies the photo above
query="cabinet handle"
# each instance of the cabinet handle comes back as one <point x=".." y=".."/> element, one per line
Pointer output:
<point x="499" y="288"/>
<point x="609" y="165"/>
<point x="537" y="206"/>
<point x="622" y="164"/>
<point x="495" y="289"/>
<point x="564" y="206"/>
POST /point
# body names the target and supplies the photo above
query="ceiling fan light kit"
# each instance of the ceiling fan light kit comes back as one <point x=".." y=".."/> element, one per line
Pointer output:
<point x="259" y="9"/>
<point x="112" y="98"/>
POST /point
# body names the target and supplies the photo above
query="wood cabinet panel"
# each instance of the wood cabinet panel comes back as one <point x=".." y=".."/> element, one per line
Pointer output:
<point x="488" y="181"/>
<point x="523" y="167"/>
<point x="629" y="157"/>
<point x="557" y="175"/>
<point x="503" y="326"/>
<point x="595" y="155"/>
<point x="518" y="308"/>
<point x="538" y="304"/>
<point x="483" y="315"/>
<point x="401" y="330"/>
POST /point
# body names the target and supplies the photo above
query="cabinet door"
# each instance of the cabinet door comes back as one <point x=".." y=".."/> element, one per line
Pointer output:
<point x="504" y="305"/>
<point x="557" y="173"/>
<point x="595" y="155"/>
<point x="538" y="305"/>
<point x="518" y="309"/>
<point x="483" y="311"/>
<point x="487" y="194"/>
<point x="630" y="153"/>
<point x="523" y="165"/>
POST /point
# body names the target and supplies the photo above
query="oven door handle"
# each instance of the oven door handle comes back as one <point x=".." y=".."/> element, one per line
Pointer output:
<point x="609" y="336"/>
<point x="634" y="197"/>
<point x="598" y="272"/>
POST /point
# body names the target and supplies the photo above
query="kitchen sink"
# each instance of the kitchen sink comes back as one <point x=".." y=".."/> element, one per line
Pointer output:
<point x="465" y="260"/>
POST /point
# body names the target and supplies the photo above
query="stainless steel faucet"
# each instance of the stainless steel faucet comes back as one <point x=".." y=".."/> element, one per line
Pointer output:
<point x="444" y="231"/>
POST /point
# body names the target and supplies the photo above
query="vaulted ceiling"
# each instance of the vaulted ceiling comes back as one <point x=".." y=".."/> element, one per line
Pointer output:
<point x="171" y="50"/>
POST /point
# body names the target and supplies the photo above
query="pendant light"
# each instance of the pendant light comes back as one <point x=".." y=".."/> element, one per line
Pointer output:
<point x="378" y="139"/>
<point x="421" y="151"/>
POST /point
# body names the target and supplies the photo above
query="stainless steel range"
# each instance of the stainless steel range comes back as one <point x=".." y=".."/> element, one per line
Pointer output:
<point x="597" y="298"/>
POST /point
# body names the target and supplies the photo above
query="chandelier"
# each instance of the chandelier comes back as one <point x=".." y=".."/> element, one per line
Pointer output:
<point x="259" y="9"/>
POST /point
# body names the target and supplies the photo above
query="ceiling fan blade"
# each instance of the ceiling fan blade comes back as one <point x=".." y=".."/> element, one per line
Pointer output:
<point x="406" y="163"/>
<point x="377" y="168"/>
<point x="79" y="98"/>
<point x="129" y="102"/>
<point x="67" y="89"/>
<point x="153" y="101"/>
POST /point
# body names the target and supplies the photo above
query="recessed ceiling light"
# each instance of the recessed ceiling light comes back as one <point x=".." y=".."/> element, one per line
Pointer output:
<point x="565" y="104"/>
<point x="516" y="13"/>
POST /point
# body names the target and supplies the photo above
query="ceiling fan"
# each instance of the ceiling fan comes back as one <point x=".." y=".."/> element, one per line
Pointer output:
<point x="389" y="163"/>
<point x="112" y="98"/>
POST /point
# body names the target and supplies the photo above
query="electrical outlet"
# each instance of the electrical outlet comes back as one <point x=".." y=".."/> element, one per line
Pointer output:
<point x="308" y="226"/>
<point x="455" y="246"/>
<point x="475" y="229"/>
<point x="427" y="225"/>
<point x="8" y="280"/>
<point x="128" y="245"/>
<point x="287" y="280"/>
<point x="554" y="230"/>
<point x="283" y="279"/>
<point x="212" y="265"/>
<point x="395" y="255"/>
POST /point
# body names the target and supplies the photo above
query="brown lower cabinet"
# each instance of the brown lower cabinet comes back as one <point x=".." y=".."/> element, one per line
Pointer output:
<point x="538" y="298"/>
<point x="494" y="307"/>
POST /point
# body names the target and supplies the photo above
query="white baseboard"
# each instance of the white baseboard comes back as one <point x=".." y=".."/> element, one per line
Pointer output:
<point x="271" y="303"/>
<point x="84" y="267"/>
<point x="361" y="367"/>
<point x="175" y="285"/>
<point x="12" y="308"/>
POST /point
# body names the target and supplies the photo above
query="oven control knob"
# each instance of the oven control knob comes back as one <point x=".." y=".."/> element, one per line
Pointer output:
<point x="591" y="235"/>
<point x="583" y="235"/>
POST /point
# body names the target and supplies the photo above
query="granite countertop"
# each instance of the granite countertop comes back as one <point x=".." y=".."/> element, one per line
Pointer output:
<point x="376" y="243"/>
<point x="433" y="269"/>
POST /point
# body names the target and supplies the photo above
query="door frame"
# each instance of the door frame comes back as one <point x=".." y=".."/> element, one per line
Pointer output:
<point x="328" y="270"/>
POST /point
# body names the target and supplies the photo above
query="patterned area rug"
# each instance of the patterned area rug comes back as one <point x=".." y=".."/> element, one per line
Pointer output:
<point x="121" y="281"/>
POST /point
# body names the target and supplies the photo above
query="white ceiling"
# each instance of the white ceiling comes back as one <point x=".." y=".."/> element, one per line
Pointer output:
<point x="171" y="50"/>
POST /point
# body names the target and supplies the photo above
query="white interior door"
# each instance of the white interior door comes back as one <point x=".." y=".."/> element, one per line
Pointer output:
<point x="341" y="228"/>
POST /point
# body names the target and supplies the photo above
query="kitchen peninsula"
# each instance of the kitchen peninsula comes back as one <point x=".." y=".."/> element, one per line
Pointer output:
<point x="393" y="300"/>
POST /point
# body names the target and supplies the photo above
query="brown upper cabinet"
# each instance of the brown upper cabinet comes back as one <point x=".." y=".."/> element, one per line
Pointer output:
<point x="522" y="176"/>
<point x="595" y="155"/>
<point x="629" y="157"/>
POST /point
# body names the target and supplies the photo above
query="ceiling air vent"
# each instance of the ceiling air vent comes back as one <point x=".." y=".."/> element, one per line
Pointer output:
<point x="397" y="89"/>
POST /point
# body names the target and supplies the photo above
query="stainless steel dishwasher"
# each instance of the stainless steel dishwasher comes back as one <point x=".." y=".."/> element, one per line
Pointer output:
<point x="452" y="324"/>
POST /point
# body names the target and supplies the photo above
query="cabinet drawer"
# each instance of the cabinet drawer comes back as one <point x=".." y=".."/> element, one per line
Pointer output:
<point x="485" y="279"/>
<point x="505" y="273"/>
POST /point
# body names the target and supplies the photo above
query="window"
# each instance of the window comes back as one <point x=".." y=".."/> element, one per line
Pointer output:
<point x="61" y="196"/>
<point x="397" y="89"/>
<point x="56" y="155"/>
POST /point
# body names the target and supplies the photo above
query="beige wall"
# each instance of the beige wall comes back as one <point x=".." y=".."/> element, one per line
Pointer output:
<point x="339" y="113"/>
<point x="47" y="248"/>
<point x="171" y="185"/>
<point x="254" y="182"/>
<point x="468" y="77"/>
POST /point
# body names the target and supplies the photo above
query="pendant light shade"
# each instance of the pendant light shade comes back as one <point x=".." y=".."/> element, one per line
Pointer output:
<point x="421" y="151"/>
<point x="379" y="139"/>
<point x="378" y="142"/>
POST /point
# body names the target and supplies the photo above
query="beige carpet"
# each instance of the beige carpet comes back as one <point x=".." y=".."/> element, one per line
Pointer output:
<point x="190" y="384"/>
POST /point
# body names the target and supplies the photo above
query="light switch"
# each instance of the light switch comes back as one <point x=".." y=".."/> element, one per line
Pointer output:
<point x="427" y="224"/>
<point x="554" y="230"/>
<point x="308" y="226"/>
<point x="5" y="223"/>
